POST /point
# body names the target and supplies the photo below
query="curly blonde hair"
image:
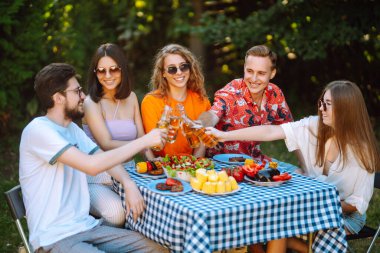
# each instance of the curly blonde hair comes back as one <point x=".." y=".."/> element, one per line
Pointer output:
<point x="160" y="86"/>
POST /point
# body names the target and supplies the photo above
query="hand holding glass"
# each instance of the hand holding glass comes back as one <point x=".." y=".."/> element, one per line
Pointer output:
<point x="163" y="123"/>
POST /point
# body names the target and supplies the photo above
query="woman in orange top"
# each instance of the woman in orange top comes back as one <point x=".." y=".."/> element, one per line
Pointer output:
<point x="177" y="78"/>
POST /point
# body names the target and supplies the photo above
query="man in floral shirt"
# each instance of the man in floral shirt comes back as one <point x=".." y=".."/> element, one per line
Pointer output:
<point x="248" y="101"/>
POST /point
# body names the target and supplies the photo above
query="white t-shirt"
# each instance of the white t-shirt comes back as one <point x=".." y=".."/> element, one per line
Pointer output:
<point x="56" y="196"/>
<point x="354" y="183"/>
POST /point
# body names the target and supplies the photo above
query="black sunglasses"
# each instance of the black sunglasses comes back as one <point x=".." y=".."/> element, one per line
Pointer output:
<point x="183" y="68"/>
<point x="323" y="104"/>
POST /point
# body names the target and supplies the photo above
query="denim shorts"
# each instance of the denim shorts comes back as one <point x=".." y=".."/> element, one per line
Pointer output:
<point x="354" y="222"/>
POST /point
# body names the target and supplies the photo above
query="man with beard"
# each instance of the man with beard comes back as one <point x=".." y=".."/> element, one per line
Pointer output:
<point x="55" y="156"/>
<point x="248" y="101"/>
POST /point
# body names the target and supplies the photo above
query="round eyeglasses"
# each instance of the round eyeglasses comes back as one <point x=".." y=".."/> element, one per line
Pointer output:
<point x="101" y="72"/>
<point x="324" y="105"/>
<point x="78" y="90"/>
<point x="183" y="68"/>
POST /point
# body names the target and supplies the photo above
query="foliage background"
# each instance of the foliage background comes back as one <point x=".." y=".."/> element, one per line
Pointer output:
<point x="317" y="41"/>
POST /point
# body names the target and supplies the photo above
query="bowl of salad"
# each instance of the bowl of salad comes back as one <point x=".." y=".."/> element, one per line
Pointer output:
<point x="184" y="166"/>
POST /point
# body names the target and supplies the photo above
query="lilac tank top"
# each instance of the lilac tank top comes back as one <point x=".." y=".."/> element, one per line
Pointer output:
<point x="121" y="130"/>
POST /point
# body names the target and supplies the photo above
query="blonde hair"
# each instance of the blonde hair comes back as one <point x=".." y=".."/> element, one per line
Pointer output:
<point x="160" y="86"/>
<point x="262" y="51"/>
<point x="351" y="126"/>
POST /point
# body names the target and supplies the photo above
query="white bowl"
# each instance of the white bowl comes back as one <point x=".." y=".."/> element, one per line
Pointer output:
<point x="182" y="175"/>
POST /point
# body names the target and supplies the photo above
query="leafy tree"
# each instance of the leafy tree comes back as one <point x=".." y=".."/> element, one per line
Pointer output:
<point x="22" y="26"/>
<point x="146" y="27"/>
<point x="36" y="33"/>
<point x="318" y="41"/>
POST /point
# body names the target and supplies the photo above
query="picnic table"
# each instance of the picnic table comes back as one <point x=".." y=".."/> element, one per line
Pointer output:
<point x="195" y="222"/>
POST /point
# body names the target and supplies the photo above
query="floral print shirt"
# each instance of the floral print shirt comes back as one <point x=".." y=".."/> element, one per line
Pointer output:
<point x="234" y="107"/>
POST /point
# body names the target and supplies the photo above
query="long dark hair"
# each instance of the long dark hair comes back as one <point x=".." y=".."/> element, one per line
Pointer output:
<point x="351" y="126"/>
<point x="95" y="89"/>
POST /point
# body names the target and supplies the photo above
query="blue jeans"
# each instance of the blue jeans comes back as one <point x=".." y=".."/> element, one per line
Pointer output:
<point x="101" y="239"/>
<point x="354" y="222"/>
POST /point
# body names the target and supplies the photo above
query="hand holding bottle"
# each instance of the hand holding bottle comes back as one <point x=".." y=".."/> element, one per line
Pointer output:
<point x="163" y="123"/>
<point x="208" y="139"/>
<point x="187" y="130"/>
<point x="156" y="137"/>
<point x="219" y="135"/>
<point x="195" y="132"/>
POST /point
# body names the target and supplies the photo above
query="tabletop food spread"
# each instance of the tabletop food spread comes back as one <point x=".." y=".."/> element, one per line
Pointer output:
<point x="209" y="214"/>
<point x="205" y="179"/>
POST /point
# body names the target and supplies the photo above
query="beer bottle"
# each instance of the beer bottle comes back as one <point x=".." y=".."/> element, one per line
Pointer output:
<point x="174" y="124"/>
<point x="208" y="139"/>
<point x="187" y="125"/>
<point x="163" y="123"/>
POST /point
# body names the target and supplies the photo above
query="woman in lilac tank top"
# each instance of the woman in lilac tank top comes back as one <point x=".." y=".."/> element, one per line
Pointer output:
<point x="112" y="119"/>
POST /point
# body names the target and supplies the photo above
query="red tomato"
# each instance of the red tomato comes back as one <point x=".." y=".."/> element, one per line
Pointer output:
<point x="238" y="174"/>
<point x="249" y="170"/>
<point x="149" y="166"/>
<point x="277" y="178"/>
<point x="172" y="182"/>
<point x="282" y="177"/>
<point x="286" y="176"/>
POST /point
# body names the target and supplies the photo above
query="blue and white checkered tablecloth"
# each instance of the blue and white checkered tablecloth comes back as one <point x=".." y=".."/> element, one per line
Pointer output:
<point x="201" y="223"/>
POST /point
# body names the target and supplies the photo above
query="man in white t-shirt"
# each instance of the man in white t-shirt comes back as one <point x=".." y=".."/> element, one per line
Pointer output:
<point x="55" y="156"/>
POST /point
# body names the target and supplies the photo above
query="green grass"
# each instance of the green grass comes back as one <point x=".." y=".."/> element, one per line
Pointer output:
<point x="278" y="150"/>
<point x="373" y="220"/>
<point x="10" y="239"/>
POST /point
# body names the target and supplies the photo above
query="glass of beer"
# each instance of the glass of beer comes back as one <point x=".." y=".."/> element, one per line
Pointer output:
<point x="208" y="139"/>
<point x="174" y="124"/>
<point x="191" y="138"/>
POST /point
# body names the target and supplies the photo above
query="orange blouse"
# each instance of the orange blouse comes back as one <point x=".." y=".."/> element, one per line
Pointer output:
<point x="152" y="108"/>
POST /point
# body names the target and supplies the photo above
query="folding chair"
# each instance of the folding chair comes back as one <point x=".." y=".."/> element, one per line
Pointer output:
<point x="367" y="231"/>
<point x="17" y="208"/>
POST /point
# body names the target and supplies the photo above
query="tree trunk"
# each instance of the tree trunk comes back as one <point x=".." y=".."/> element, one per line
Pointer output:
<point x="196" y="45"/>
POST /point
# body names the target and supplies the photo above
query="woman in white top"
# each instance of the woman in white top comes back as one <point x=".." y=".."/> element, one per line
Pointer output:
<point x="338" y="147"/>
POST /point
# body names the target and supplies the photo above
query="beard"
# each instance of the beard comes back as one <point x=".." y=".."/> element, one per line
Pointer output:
<point x="73" y="113"/>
